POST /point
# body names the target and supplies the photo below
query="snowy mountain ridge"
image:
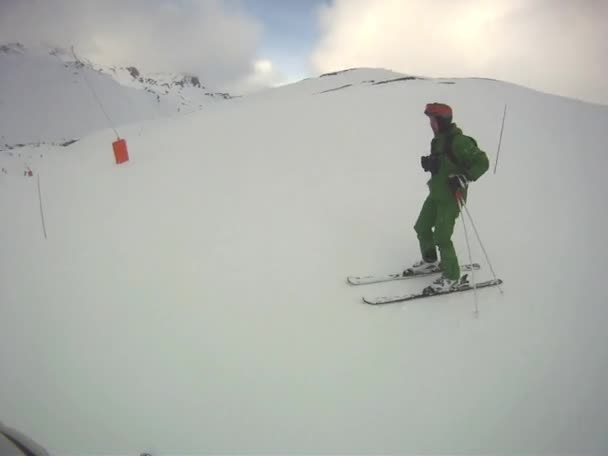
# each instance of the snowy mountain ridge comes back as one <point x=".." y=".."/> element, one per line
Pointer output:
<point x="40" y="81"/>
<point x="157" y="83"/>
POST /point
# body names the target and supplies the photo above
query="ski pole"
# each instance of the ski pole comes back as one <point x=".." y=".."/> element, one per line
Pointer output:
<point x="481" y="244"/>
<point x="466" y="236"/>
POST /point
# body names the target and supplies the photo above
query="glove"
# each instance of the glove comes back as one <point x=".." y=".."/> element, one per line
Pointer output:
<point x="430" y="163"/>
<point x="457" y="182"/>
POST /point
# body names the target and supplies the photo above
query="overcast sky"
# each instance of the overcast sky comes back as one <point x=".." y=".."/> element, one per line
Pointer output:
<point x="558" y="46"/>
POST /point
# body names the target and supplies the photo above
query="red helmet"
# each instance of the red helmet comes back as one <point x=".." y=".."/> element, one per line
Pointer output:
<point x="439" y="110"/>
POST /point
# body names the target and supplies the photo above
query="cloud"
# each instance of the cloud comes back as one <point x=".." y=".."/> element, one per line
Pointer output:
<point x="559" y="46"/>
<point x="214" y="39"/>
<point x="264" y="75"/>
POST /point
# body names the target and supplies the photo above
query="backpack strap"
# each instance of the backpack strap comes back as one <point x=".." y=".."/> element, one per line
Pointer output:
<point x="449" y="151"/>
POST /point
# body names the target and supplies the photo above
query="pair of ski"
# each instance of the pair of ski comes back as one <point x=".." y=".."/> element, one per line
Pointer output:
<point x="464" y="284"/>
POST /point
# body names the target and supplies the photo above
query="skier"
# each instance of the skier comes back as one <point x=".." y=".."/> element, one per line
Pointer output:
<point x="454" y="161"/>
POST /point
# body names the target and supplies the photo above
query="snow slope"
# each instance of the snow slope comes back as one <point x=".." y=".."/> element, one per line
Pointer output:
<point x="45" y="97"/>
<point x="194" y="300"/>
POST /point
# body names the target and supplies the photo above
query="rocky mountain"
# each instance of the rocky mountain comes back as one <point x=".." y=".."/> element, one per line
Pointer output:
<point x="52" y="96"/>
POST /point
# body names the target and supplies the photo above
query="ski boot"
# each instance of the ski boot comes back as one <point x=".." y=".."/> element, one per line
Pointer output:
<point x="444" y="285"/>
<point x="422" y="267"/>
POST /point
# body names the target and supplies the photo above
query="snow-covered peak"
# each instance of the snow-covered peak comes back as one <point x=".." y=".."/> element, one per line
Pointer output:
<point x="160" y="83"/>
<point x="41" y="82"/>
<point x="362" y="74"/>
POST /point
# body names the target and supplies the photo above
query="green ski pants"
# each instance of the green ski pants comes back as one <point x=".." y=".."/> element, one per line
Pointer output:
<point x="442" y="216"/>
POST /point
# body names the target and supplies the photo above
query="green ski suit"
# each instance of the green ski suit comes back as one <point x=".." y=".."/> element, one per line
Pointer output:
<point x="440" y="209"/>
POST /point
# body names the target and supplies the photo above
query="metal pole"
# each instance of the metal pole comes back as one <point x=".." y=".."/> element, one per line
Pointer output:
<point x="84" y="74"/>
<point x="41" y="209"/>
<point x="500" y="139"/>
